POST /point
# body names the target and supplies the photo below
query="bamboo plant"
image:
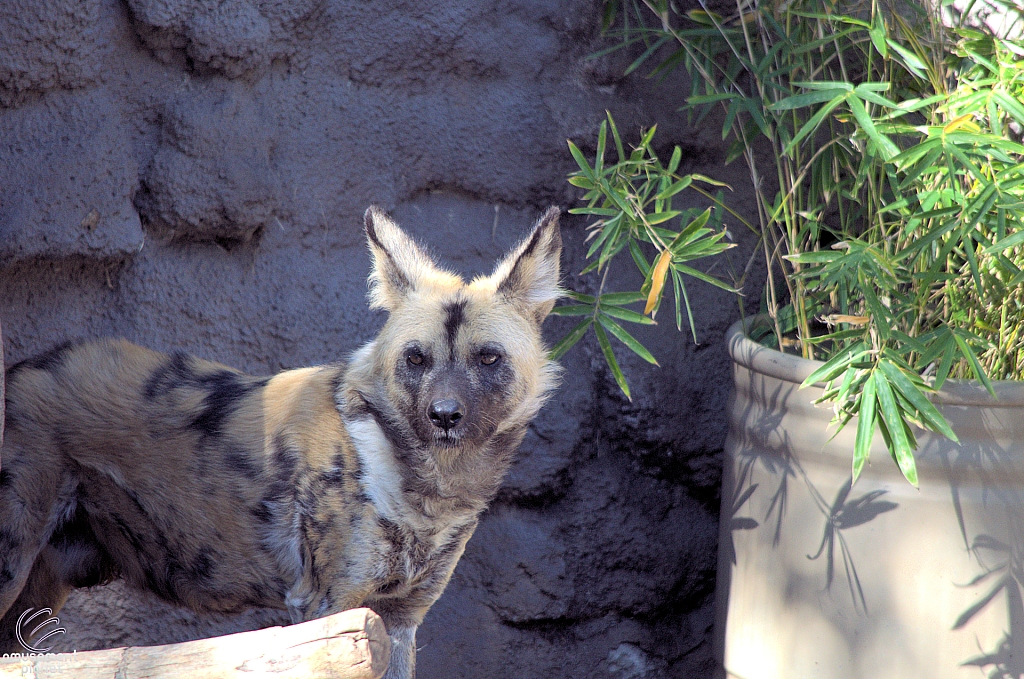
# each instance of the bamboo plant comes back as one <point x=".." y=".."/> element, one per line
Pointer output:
<point x="892" y="217"/>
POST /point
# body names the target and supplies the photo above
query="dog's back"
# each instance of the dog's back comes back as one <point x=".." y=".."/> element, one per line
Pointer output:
<point x="169" y="471"/>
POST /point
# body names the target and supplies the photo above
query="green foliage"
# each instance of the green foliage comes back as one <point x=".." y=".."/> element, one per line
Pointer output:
<point x="895" y="240"/>
<point x="632" y="201"/>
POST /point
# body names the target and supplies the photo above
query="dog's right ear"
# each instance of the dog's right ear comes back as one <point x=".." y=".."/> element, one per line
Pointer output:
<point x="399" y="265"/>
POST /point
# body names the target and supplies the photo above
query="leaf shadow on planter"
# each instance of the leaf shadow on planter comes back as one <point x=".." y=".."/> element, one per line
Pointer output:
<point x="1001" y="561"/>
<point x="935" y="575"/>
<point x="767" y="443"/>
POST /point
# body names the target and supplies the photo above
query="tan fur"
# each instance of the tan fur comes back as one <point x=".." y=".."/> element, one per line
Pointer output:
<point x="315" y="490"/>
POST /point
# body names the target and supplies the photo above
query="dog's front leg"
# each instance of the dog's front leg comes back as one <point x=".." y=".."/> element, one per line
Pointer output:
<point x="403" y="653"/>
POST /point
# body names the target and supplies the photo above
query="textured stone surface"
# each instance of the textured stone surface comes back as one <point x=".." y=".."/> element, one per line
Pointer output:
<point x="233" y="37"/>
<point x="48" y="44"/>
<point x="192" y="175"/>
<point x="192" y="194"/>
<point x="68" y="177"/>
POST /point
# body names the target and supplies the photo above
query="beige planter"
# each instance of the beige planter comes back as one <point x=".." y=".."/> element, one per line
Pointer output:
<point x="881" y="581"/>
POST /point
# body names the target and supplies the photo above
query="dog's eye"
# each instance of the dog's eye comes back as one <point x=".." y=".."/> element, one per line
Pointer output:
<point x="415" y="359"/>
<point x="489" y="359"/>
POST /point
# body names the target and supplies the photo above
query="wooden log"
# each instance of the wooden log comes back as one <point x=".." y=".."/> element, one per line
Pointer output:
<point x="348" y="645"/>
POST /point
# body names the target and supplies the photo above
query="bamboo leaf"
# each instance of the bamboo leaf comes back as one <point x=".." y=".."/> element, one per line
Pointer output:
<point x="1011" y="241"/>
<point x="813" y="122"/>
<point x="585" y="168"/>
<point x="895" y="424"/>
<point x="621" y="297"/>
<point x="1012" y="106"/>
<point x="885" y="147"/>
<point x="976" y="368"/>
<point x="580" y="297"/>
<point x="638" y="257"/>
<point x="602" y="138"/>
<point x="661" y="217"/>
<point x="692" y="227"/>
<point x="865" y="427"/>
<point x="627" y="339"/>
<point x="929" y="413"/>
<point x="910" y="60"/>
<point x="806" y="99"/>
<point x="837" y="364"/>
<point x="627" y="315"/>
<point x="658" y="279"/>
<point x="655" y="46"/>
<point x="567" y="342"/>
<point x="600" y="211"/>
<point x="615" y="135"/>
<point x="609" y="357"/>
<point x="573" y="310"/>
<point x="825" y="85"/>
<point x="877" y="33"/>
<point x="673" y="163"/>
<point x="675" y="188"/>
<point x="690" y="271"/>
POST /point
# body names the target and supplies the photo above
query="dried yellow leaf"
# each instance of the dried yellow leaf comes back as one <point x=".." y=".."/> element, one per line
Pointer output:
<point x="965" y="121"/>
<point x="658" y="279"/>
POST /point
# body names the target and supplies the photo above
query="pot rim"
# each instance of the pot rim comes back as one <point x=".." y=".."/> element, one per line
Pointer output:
<point x="795" y="369"/>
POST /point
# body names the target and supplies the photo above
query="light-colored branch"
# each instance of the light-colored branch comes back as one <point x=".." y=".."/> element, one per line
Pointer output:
<point x="348" y="645"/>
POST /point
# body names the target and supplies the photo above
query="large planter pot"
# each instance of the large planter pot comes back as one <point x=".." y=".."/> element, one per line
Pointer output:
<point x="883" y="580"/>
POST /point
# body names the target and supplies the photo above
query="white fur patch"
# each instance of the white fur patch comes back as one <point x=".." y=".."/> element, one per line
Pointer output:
<point x="381" y="480"/>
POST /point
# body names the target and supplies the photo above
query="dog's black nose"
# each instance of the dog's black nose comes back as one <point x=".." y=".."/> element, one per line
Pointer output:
<point x="445" y="413"/>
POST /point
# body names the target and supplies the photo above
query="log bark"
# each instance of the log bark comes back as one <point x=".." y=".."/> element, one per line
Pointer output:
<point x="348" y="645"/>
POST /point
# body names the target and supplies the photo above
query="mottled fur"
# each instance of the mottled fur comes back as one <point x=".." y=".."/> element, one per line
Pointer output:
<point x="315" y="490"/>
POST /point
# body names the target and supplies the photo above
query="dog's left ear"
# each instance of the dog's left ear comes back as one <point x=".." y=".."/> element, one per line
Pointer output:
<point x="399" y="265"/>
<point x="529" y="275"/>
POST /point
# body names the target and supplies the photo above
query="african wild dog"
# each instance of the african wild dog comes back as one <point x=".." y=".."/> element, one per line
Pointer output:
<point x="315" y="490"/>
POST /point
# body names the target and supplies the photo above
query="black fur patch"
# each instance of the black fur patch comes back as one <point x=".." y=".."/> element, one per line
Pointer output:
<point x="410" y="375"/>
<point x="176" y="372"/>
<point x="10" y="419"/>
<point x="391" y="532"/>
<point x="284" y="460"/>
<point x="391" y="270"/>
<point x="127" y="532"/>
<point x="226" y="389"/>
<point x="76" y="539"/>
<point x="392" y="433"/>
<point x="497" y="378"/>
<point x="514" y="280"/>
<point x="237" y="459"/>
<point x="49" y="360"/>
<point x="202" y="565"/>
<point x="333" y="478"/>
<point x="9" y="542"/>
<point x="455" y="316"/>
<point x="261" y="512"/>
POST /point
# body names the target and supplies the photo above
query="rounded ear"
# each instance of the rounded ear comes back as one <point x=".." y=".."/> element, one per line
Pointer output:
<point x="528" y="276"/>
<point x="399" y="265"/>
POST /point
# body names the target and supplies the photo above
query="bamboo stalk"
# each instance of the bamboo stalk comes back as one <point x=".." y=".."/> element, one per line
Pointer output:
<point x="348" y="645"/>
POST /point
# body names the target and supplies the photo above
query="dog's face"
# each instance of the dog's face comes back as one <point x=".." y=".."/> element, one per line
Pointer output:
<point x="461" y="364"/>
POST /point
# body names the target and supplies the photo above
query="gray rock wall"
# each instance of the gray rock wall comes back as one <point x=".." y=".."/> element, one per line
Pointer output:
<point x="191" y="175"/>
